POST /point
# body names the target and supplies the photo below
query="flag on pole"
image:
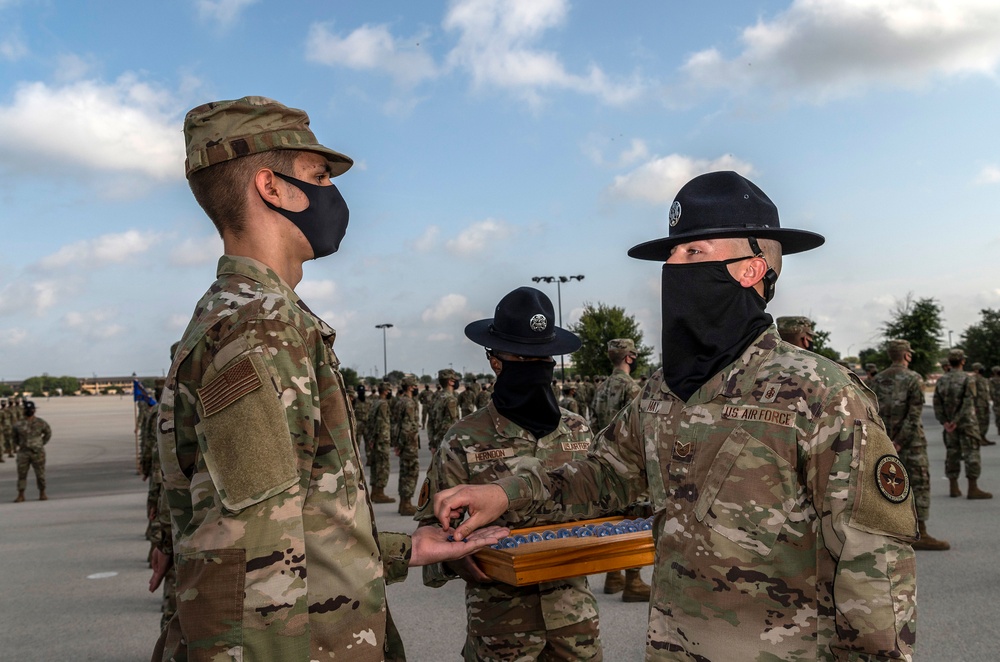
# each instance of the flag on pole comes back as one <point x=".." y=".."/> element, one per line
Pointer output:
<point x="139" y="394"/>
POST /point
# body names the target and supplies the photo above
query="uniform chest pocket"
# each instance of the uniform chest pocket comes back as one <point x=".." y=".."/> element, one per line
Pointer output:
<point x="747" y="494"/>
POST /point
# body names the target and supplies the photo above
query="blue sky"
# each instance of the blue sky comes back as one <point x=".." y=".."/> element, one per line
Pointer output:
<point x="494" y="141"/>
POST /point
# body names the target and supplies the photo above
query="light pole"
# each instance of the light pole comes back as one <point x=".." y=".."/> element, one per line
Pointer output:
<point x="559" y="280"/>
<point x="385" y="356"/>
<point x="949" y="339"/>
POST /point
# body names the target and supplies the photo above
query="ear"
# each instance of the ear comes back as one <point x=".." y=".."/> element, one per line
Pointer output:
<point x="496" y="365"/>
<point x="266" y="184"/>
<point x="752" y="271"/>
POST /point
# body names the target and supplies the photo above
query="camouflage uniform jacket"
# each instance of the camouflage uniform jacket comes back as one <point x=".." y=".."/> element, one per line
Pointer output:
<point x="983" y="397"/>
<point x="570" y="405"/>
<point x="955" y="401"/>
<point x="444" y="414"/>
<point x="467" y="401"/>
<point x="479" y="449"/>
<point x="484" y="397"/>
<point x="379" y="421"/>
<point x="408" y="426"/>
<point x="611" y="396"/>
<point x="995" y="390"/>
<point x="31" y="434"/>
<point x="773" y="537"/>
<point x="361" y="409"/>
<point x="276" y="551"/>
<point x="900" y="395"/>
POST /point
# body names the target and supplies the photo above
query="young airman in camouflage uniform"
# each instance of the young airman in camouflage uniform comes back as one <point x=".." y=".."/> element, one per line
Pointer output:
<point x="275" y="546"/>
<point x="955" y="409"/>
<point x="6" y="432"/>
<point x="796" y="330"/>
<point x="568" y="400"/>
<point x="467" y="399"/>
<point x="407" y="445"/>
<point x="30" y="436"/>
<point x="445" y="410"/>
<point x="900" y="394"/>
<point x="984" y="395"/>
<point x="485" y="394"/>
<point x="426" y="397"/>
<point x="995" y="392"/>
<point x="783" y="516"/>
<point x="613" y="394"/>
<point x="548" y="621"/>
<point x="380" y="428"/>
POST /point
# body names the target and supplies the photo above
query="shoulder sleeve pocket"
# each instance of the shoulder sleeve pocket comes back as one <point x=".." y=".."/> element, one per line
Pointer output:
<point x="880" y="486"/>
<point x="248" y="448"/>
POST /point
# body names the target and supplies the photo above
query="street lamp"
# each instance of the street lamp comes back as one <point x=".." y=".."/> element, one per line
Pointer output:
<point x="385" y="359"/>
<point x="558" y="280"/>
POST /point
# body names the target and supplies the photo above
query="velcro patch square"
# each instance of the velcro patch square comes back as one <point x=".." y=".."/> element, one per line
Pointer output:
<point x="229" y="386"/>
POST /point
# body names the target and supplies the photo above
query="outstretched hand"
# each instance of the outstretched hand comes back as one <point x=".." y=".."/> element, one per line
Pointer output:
<point x="433" y="545"/>
<point x="483" y="503"/>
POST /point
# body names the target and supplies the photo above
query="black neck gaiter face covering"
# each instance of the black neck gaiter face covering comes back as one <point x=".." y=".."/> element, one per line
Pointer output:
<point x="324" y="221"/>
<point x="709" y="319"/>
<point x="523" y="393"/>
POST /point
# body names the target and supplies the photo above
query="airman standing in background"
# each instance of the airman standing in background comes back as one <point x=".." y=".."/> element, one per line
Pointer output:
<point x="445" y="410"/>
<point x="407" y="444"/>
<point x="955" y="409"/>
<point x="796" y="330"/>
<point x="984" y="394"/>
<point x="30" y="436"/>
<point x="380" y="427"/>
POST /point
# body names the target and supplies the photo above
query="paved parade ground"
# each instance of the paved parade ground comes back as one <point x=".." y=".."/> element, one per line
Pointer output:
<point x="73" y="585"/>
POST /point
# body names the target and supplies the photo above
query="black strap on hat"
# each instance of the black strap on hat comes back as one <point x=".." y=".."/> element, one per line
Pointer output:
<point x="538" y="340"/>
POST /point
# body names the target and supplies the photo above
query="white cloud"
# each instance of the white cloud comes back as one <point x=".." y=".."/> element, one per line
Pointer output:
<point x="94" y="324"/>
<point x="989" y="175"/>
<point x="13" y="337"/>
<point x="428" y="240"/>
<point x="658" y="180"/>
<point x="496" y="46"/>
<point x="316" y="290"/>
<point x="196" y="251"/>
<point x="595" y="147"/>
<point x="820" y="49"/>
<point x="72" y="67"/>
<point x="223" y="12"/>
<point x="372" y="48"/>
<point x="450" y="305"/>
<point x="12" y="47"/>
<point x="106" y="249"/>
<point x="475" y="238"/>
<point x="125" y="127"/>
<point x="440" y="337"/>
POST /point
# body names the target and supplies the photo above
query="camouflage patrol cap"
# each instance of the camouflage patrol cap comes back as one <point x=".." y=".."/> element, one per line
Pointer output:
<point x="408" y="380"/>
<point x="956" y="355"/>
<point x="220" y="131"/>
<point x="898" y="346"/>
<point x="995" y="369"/>
<point x="977" y="366"/>
<point x="448" y="373"/>
<point x="385" y="387"/>
<point x="794" y="324"/>
<point x="871" y="366"/>
<point x="622" y="345"/>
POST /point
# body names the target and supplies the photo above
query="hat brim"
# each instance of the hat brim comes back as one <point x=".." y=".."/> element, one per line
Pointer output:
<point x="564" y="342"/>
<point x="339" y="163"/>
<point x="792" y="241"/>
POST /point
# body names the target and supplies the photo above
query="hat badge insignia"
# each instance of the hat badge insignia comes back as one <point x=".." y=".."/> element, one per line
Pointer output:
<point x="675" y="213"/>
<point x="538" y="322"/>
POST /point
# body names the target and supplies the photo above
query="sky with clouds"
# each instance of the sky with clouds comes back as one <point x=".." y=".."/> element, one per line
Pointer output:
<point x="494" y="141"/>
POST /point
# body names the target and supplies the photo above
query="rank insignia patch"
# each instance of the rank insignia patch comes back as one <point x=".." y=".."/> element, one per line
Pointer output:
<point x="891" y="478"/>
<point x="425" y="492"/>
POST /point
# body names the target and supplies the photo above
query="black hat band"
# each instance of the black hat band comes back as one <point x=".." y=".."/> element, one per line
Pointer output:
<point x="521" y="339"/>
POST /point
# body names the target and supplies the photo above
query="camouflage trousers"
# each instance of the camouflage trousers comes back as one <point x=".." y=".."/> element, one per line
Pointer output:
<point x="962" y="447"/>
<point x="580" y="641"/>
<point x="6" y="443"/>
<point x="425" y="414"/>
<point x="996" y="415"/>
<point x="27" y="457"/>
<point x="409" y="467"/>
<point x="380" y="463"/>
<point x="918" y="468"/>
<point x="983" y="416"/>
<point x="169" y="605"/>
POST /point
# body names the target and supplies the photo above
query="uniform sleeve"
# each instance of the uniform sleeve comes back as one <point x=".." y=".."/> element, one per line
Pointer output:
<point x="46" y="433"/>
<point x="396" y="551"/>
<point x="867" y="519"/>
<point x="611" y="477"/>
<point x="915" y="407"/>
<point x="448" y="469"/>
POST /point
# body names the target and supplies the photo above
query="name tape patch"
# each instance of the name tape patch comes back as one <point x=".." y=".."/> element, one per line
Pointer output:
<point x="492" y="454"/>
<point x="575" y="445"/>
<point x="759" y="415"/>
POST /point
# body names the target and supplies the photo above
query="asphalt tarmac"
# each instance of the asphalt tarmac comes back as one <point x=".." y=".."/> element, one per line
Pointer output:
<point x="74" y="578"/>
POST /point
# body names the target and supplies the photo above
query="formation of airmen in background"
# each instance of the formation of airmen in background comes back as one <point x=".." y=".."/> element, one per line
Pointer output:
<point x="25" y="434"/>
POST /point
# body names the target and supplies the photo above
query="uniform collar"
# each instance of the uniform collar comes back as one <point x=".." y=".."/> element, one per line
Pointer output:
<point x="738" y="377"/>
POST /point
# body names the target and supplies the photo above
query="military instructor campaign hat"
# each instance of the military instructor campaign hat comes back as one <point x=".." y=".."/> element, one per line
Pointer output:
<point x="724" y="204"/>
<point x="224" y="130"/>
<point x="523" y="324"/>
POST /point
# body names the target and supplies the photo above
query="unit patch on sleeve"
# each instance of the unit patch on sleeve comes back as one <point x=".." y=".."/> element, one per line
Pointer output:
<point x="891" y="478"/>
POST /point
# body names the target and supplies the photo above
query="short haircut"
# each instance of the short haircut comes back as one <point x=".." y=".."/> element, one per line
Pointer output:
<point x="896" y="353"/>
<point x="221" y="189"/>
<point x="619" y="355"/>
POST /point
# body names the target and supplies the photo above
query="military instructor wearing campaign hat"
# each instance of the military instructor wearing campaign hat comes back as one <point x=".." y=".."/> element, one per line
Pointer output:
<point x="276" y="551"/>
<point x="783" y="515"/>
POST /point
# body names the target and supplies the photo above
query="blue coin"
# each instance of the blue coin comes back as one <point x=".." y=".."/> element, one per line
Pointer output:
<point x="647" y="524"/>
<point x="520" y="539"/>
<point x="585" y="532"/>
<point x="630" y="528"/>
<point x="534" y="536"/>
<point x="564" y="533"/>
<point x="508" y="543"/>
<point x="548" y="535"/>
<point x="602" y="532"/>
<point x="577" y="530"/>
<point x="620" y="530"/>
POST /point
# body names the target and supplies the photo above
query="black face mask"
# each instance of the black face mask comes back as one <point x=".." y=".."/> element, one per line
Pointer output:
<point x="324" y="221"/>
<point x="709" y="319"/>
<point x="523" y="393"/>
